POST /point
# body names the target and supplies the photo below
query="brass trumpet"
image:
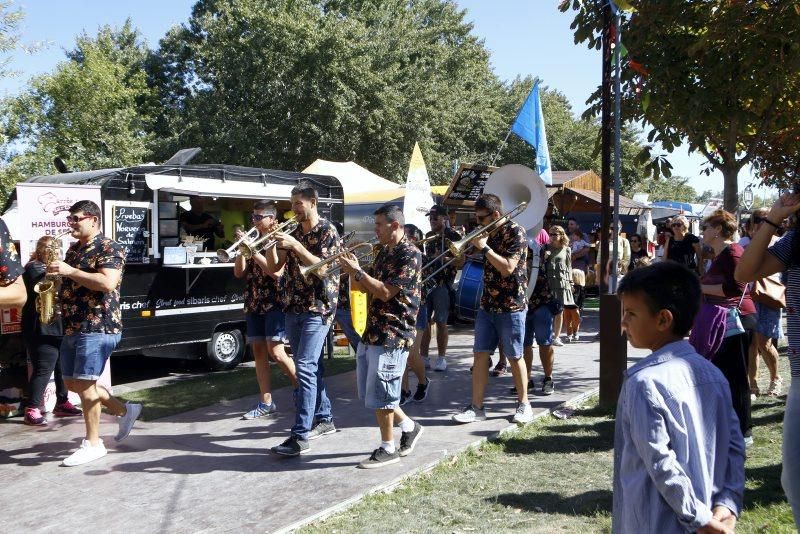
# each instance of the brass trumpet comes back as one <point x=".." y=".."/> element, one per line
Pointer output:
<point x="267" y="241"/>
<point x="316" y="267"/>
<point x="226" y="255"/>
<point x="47" y="289"/>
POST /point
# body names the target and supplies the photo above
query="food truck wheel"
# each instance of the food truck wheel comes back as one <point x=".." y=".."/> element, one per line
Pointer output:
<point x="225" y="350"/>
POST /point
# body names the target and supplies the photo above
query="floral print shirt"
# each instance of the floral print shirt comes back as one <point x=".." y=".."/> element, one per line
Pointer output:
<point x="542" y="295"/>
<point x="82" y="309"/>
<point x="10" y="267"/>
<point x="392" y="324"/>
<point x="263" y="292"/>
<point x="433" y="248"/>
<point x="313" y="294"/>
<point x="503" y="295"/>
<point x="344" y="294"/>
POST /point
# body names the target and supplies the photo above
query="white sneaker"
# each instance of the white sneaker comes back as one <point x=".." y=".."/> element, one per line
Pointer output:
<point x="427" y="362"/>
<point x="85" y="454"/>
<point x="441" y="365"/>
<point x="470" y="414"/>
<point x="524" y="413"/>
<point x="557" y="342"/>
<point x="576" y="338"/>
<point x="126" y="421"/>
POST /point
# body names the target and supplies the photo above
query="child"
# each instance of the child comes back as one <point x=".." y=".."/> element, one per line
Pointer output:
<point x="572" y="312"/>
<point x="678" y="450"/>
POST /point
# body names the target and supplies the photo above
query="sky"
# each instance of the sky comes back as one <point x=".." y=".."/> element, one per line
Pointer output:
<point x="525" y="37"/>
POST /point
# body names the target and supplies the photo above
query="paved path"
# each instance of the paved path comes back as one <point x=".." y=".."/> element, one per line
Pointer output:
<point x="208" y="470"/>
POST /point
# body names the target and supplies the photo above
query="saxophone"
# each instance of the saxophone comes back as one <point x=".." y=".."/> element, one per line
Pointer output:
<point x="47" y="289"/>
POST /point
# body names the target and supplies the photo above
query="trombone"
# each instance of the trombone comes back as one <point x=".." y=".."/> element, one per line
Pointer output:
<point x="317" y="267"/>
<point x="226" y="255"/>
<point x="457" y="248"/>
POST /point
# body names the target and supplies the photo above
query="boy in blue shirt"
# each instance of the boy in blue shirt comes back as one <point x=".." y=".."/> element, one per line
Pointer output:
<point x="678" y="451"/>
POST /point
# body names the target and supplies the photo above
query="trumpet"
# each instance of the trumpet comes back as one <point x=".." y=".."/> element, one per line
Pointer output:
<point x="267" y="241"/>
<point x="226" y="255"/>
<point x="457" y="248"/>
<point x="317" y="267"/>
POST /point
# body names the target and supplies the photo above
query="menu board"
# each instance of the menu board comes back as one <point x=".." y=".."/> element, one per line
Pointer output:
<point x="467" y="184"/>
<point x="130" y="229"/>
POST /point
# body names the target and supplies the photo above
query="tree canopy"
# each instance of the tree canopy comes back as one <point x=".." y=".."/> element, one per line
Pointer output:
<point x="722" y="75"/>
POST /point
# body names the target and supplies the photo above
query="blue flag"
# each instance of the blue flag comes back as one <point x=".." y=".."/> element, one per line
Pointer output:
<point x="529" y="126"/>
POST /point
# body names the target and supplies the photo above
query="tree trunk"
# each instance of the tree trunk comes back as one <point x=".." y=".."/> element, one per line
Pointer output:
<point x="731" y="188"/>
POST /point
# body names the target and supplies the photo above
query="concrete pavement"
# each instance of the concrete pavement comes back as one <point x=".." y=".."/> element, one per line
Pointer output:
<point x="208" y="470"/>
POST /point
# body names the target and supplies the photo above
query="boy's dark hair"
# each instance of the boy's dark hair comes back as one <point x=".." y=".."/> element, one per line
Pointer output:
<point x="305" y="189"/>
<point x="667" y="285"/>
<point x="413" y="231"/>
<point x="265" y="205"/>
<point x="87" y="207"/>
<point x="392" y="213"/>
<point x="490" y="203"/>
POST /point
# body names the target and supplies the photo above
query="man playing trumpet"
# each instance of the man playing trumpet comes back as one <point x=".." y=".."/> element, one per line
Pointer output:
<point x="263" y="307"/>
<point x="393" y="283"/>
<point x="310" y="307"/>
<point x="501" y="317"/>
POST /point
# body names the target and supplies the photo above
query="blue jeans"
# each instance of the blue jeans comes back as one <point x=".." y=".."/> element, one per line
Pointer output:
<point x="307" y="334"/>
<point x="790" y="475"/>
<point x="345" y="320"/>
<point x="84" y="355"/>
<point x="507" y="329"/>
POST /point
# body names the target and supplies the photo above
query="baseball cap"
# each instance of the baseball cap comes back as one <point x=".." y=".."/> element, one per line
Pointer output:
<point x="438" y="210"/>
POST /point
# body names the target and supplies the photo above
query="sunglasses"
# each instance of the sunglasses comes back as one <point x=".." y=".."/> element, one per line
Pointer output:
<point x="258" y="218"/>
<point x="676" y="224"/>
<point x="634" y="240"/>
<point x="555" y="234"/>
<point x="72" y="219"/>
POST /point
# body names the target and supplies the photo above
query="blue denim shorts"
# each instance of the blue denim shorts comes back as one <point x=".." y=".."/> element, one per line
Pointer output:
<point x="507" y="329"/>
<point x="539" y="323"/>
<point x="769" y="322"/>
<point x="84" y="355"/>
<point x="422" y="318"/>
<point x="379" y="372"/>
<point x="270" y="326"/>
<point x="439" y="304"/>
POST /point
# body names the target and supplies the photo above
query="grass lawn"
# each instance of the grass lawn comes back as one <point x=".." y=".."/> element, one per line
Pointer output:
<point x="212" y="388"/>
<point x="553" y="475"/>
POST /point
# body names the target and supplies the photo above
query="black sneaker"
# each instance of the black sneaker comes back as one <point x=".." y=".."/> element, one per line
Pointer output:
<point x="531" y="386"/>
<point x="292" y="447"/>
<point x="409" y="439"/>
<point x="547" y="387"/>
<point x="422" y="391"/>
<point x="322" y="428"/>
<point x="405" y="397"/>
<point x="379" y="458"/>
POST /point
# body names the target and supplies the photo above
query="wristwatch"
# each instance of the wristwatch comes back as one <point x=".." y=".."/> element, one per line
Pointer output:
<point x="485" y="249"/>
<point x="359" y="275"/>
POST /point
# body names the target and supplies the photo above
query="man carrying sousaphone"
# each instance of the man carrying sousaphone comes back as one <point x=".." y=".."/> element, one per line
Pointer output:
<point x="438" y="301"/>
<point x="394" y="284"/>
<point x="501" y="317"/>
<point x="310" y="307"/>
<point x="263" y="307"/>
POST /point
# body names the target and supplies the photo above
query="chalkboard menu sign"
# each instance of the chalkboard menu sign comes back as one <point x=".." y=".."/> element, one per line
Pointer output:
<point x="467" y="184"/>
<point x="130" y="225"/>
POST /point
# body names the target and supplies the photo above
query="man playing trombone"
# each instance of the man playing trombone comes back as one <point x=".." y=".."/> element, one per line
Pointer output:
<point x="263" y="308"/>
<point x="310" y="307"/>
<point x="393" y="283"/>
<point x="501" y="317"/>
<point x="438" y="301"/>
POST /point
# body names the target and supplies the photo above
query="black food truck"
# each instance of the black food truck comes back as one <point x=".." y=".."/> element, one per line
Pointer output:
<point x="176" y="301"/>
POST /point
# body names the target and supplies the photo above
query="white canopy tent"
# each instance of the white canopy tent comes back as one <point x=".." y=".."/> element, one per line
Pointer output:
<point x="353" y="177"/>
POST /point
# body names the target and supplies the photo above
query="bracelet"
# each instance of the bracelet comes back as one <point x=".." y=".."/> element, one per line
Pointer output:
<point x="766" y="220"/>
<point x="359" y="274"/>
<point x="485" y="249"/>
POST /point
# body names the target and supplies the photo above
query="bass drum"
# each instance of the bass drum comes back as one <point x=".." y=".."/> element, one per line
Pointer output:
<point x="470" y="288"/>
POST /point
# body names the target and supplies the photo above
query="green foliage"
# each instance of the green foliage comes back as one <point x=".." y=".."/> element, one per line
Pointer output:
<point x="10" y="20"/>
<point x="721" y="75"/>
<point x="667" y="188"/>
<point x="94" y="110"/>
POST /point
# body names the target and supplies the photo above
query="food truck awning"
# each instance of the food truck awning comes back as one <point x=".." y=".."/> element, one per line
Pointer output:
<point x="187" y="185"/>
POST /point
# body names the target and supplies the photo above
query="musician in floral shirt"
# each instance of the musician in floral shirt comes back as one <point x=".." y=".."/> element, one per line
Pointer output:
<point x="311" y="304"/>
<point x="263" y="308"/>
<point x="91" y="276"/>
<point x="12" y="290"/>
<point x="542" y="307"/>
<point x="393" y="284"/>
<point x="501" y="317"/>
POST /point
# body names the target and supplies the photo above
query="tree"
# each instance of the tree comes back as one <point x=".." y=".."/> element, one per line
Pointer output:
<point x="10" y="19"/>
<point x="95" y="110"/>
<point x="675" y="188"/>
<point x="279" y="83"/>
<point x="721" y="75"/>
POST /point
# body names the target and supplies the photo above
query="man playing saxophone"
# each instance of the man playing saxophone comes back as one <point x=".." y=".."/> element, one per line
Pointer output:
<point x="91" y="277"/>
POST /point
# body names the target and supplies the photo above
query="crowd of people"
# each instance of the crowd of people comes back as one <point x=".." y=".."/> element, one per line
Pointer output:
<point x="683" y="419"/>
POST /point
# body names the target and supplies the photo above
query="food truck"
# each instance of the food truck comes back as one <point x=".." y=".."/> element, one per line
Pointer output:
<point x="177" y="301"/>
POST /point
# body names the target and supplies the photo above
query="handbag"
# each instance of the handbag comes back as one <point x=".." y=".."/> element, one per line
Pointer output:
<point x="770" y="293"/>
<point x="733" y="319"/>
